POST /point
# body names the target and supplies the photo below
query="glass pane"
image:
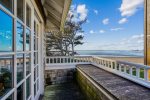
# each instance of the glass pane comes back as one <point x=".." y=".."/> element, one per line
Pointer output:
<point x="19" y="37"/>
<point x="34" y="27"/>
<point x="37" y="29"/>
<point x="6" y="74"/>
<point x="8" y="4"/>
<point x="20" y="9"/>
<point x="10" y="97"/>
<point x="6" y="32"/>
<point x="28" y="16"/>
<point x="34" y="43"/>
<point x="37" y="71"/>
<point x="28" y="88"/>
<point x="37" y="44"/>
<point x="28" y="64"/>
<point x="34" y="73"/>
<point x="37" y="85"/>
<point x="35" y="58"/>
<point x="20" y="92"/>
<point x="34" y="89"/>
<point x="20" y="67"/>
<point x="28" y="41"/>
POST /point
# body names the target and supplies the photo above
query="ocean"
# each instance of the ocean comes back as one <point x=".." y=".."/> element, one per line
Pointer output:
<point x="111" y="53"/>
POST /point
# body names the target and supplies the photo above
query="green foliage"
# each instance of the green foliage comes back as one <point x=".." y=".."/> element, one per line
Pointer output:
<point x="66" y="41"/>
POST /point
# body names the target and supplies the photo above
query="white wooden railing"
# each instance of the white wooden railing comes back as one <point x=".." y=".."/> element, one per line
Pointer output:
<point x="134" y="72"/>
<point x="56" y="60"/>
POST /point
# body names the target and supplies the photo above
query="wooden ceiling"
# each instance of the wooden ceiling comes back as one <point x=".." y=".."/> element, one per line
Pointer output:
<point x="56" y="12"/>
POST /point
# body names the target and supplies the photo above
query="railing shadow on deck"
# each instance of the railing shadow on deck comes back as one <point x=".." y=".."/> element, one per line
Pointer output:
<point x="135" y="72"/>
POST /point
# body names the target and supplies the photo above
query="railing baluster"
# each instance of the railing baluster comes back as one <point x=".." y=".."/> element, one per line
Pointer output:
<point x="137" y="72"/>
<point x="146" y="74"/>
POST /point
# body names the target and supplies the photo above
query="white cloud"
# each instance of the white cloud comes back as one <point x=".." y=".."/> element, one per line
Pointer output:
<point x="82" y="11"/>
<point x="106" y="21"/>
<point x="95" y="11"/>
<point x="102" y="31"/>
<point x="130" y="7"/>
<point x="79" y="12"/>
<point x="116" y="29"/>
<point x="91" y="32"/>
<point x="123" y="20"/>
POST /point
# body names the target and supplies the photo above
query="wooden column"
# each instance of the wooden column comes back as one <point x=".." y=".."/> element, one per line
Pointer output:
<point x="147" y="32"/>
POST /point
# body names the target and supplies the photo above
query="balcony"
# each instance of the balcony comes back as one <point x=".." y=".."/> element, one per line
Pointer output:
<point x="126" y="76"/>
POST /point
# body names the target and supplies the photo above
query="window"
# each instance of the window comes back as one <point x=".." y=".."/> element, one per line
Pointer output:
<point x="28" y="88"/>
<point x="35" y="89"/>
<point x="28" y="64"/>
<point x="35" y="58"/>
<point x="28" y="42"/>
<point x="19" y="37"/>
<point x="20" y="92"/>
<point x="20" y="67"/>
<point x="6" y="74"/>
<point x="37" y="85"/>
<point x="20" y="9"/>
<point x="37" y="69"/>
<point x="34" y="73"/>
<point x="10" y="97"/>
<point x="6" y="32"/>
<point x="28" y="16"/>
<point x="7" y="4"/>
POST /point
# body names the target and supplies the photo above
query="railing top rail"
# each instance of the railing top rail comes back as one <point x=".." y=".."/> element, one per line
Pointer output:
<point x="66" y="56"/>
<point x="133" y="64"/>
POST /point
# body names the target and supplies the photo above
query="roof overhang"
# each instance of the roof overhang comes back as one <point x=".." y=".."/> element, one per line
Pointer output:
<point x="55" y="12"/>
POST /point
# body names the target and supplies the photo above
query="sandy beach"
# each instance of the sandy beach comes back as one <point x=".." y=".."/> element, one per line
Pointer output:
<point x="139" y="60"/>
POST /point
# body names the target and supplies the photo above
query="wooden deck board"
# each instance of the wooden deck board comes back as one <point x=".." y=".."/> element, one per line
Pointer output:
<point x="121" y="88"/>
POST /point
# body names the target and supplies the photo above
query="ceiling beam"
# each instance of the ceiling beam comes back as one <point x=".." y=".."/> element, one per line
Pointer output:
<point x="53" y="20"/>
<point x="53" y="12"/>
<point x="51" y="27"/>
<point x="54" y="5"/>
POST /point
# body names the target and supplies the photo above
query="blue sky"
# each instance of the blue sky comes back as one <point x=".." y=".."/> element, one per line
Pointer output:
<point x="111" y="24"/>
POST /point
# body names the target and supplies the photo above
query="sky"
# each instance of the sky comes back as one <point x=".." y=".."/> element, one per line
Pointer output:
<point x="111" y="24"/>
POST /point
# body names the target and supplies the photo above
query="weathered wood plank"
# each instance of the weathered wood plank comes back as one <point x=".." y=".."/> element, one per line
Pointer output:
<point x="121" y="88"/>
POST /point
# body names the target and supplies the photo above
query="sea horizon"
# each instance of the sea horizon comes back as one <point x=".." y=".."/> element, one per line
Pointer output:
<point x="111" y="53"/>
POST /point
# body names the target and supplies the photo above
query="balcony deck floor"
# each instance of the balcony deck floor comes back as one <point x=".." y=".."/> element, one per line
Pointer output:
<point x="119" y="87"/>
<point x="65" y="91"/>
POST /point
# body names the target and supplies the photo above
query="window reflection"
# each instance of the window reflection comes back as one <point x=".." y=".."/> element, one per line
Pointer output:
<point x="34" y="43"/>
<point x="10" y="97"/>
<point x="37" y="85"/>
<point x="35" y="58"/>
<point x="28" y="39"/>
<point x="6" y="32"/>
<point x="6" y="74"/>
<point x="34" y="73"/>
<point x="20" y="67"/>
<point x="28" y="64"/>
<point x="28" y="88"/>
<point x="20" y="9"/>
<point x="7" y="4"/>
<point x="35" y="89"/>
<point x="20" y="92"/>
<point x="28" y="16"/>
<point x="19" y="37"/>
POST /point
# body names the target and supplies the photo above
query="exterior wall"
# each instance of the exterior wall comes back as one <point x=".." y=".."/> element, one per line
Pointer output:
<point x="56" y="76"/>
<point x="39" y="66"/>
<point x="90" y="88"/>
<point x="147" y="32"/>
